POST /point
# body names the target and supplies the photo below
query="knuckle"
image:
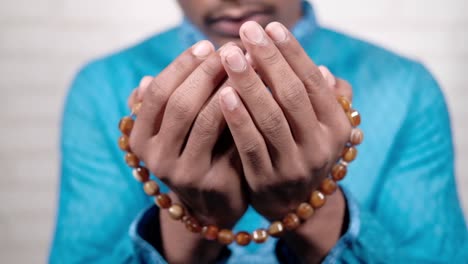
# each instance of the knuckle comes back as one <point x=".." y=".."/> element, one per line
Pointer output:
<point x="271" y="122"/>
<point x="271" y="57"/>
<point x="295" y="97"/>
<point x="210" y="69"/>
<point x="205" y="125"/>
<point x="180" y="106"/>
<point x="313" y="79"/>
<point x="249" y="84"/>
<point x="252" y="151"/>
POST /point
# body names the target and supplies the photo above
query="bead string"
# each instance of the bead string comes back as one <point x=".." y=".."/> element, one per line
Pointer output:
<point x="225" y="236"/>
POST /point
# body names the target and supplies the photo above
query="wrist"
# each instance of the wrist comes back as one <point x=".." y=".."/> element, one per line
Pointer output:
<point x="315" y="238"/>
<point x="181" y="246"/>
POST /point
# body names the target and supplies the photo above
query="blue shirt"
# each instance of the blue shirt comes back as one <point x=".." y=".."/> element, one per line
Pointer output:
<point x="400" y="192"/>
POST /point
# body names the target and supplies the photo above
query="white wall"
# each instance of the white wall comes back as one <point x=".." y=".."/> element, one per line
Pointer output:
<point x="43" y="42"/>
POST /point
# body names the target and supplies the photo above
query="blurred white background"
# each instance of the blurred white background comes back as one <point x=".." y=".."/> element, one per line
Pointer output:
<point x="44" y="42"/>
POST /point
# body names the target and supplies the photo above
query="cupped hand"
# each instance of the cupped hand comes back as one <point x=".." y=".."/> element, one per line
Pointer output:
<point x="177" y="135"/>
<point x="290" y="135"/>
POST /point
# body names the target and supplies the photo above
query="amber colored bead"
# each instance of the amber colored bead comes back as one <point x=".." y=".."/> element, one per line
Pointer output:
<point x="357" y="136"/>
<point x="276" y="229"/>
<point x="193" y="225"/>
<point x="151" y="188"/>
<point x="136" y="108"/>
<point x="141" y="174"/>
<point x="304" y="211"/>
<point x="291" y="221"/>
<point x="124" y="143"/>
<point x="345" y="103"/>
<point x="132" y="160"/>
<point x="210" y="232"/>
<point x="163" y="201"/>
<point x="176" y="211"/>
<point x="328" y="186"/>
<point x="225" y="237"/>
<point x="259" y="236"/>
<point x="243" y="238"/>
<point x="349" y="154"/>
<point x="317" y="199"/>
<point x="354" y="118"/>
<point x="339" y="171"/>
<point x="126" y="125"/>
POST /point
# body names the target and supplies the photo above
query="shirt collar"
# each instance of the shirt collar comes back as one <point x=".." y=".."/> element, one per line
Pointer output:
<point x="303" y="30"/>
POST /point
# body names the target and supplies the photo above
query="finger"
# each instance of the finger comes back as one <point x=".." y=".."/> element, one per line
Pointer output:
<point x="322" y="99"/>
<point x="266" y="113"/>
<point x="132" y="99"/>
<point x="159" y="90"/>
<point x="338" y="86"/>
<point x="186" y="102"/>
<point x="143" y="87"/>
<point x="287" y="88"/>
<point x="207" y="128"/>
<point x="248" y="140"/>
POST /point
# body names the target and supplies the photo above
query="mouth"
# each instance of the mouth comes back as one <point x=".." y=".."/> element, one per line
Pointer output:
<point x="228" y="23"/>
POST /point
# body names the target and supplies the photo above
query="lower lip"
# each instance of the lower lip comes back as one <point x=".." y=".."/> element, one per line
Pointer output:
<point x="231" y="28"/>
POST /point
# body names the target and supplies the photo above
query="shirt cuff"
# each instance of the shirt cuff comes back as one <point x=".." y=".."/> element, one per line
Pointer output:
<point x="146" y="236"/>
<point x="285" y="255"/>
<point x="353" y="229"/>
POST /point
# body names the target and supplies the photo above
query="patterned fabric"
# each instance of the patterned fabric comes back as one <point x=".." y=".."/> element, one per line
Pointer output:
<point x="401" y="191"/>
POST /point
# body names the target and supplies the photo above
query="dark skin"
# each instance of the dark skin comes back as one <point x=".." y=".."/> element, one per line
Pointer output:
<point x="284" y="142"/>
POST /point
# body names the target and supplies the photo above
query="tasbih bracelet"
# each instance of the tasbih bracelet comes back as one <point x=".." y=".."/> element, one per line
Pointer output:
<point x="225" y="236"/>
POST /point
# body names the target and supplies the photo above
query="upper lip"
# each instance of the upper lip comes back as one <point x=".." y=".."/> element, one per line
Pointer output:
<point x="236" y="15"/>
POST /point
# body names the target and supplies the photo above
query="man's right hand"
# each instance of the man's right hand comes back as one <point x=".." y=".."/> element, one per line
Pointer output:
<point x="176" y="135"/>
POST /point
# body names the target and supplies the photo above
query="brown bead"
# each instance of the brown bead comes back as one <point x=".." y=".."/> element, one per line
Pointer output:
<point x="304" y="211"/>
<point x="193" y="225"/>
<point x="243" y="238"/>
<point x="339" y="171"/>
<point x="349" y="154"/>
<point x="126" y="125"/>
<point x="345" y="103"/>
<point x="132" y="160"/>
<point x="225" y="237"/>
<point x="357" y="136"/>
<point x="354" y="118"/>
<point x="210" y="232"/>
<point x="136" y="108"/>
<point x="328" y="186"/>
<point x="163" y="201"/>
<point x="260" y="235"/>
<point x="291" y="221"/>
<point x="151" y="188"/>
<point x="141" y="174"/>
<point x="124" y="143"/>
<point x="317" y="199"/>
<point x="176" y="211"/>
<point x="276" y="229"/>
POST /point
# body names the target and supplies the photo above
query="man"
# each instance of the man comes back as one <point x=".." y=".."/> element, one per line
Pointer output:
<point x="399" y="203"/>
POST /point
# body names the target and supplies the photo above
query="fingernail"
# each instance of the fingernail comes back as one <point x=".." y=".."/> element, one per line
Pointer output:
<point x="202" y="49"/>
<point x="229" y="99"/>
<point x="328" y="76"/>
<point x="143" y="86"/>
<point x="254" y="32"/>
<point x="235" y="59"/>
<point x="277" y="32"/>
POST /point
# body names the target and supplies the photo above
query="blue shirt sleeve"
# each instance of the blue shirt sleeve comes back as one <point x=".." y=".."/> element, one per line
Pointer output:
<point x="416" y="216"/>
<point x="98" y="197"/>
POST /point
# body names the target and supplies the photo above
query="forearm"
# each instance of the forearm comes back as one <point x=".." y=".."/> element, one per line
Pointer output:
<point x="315" y="238"/>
